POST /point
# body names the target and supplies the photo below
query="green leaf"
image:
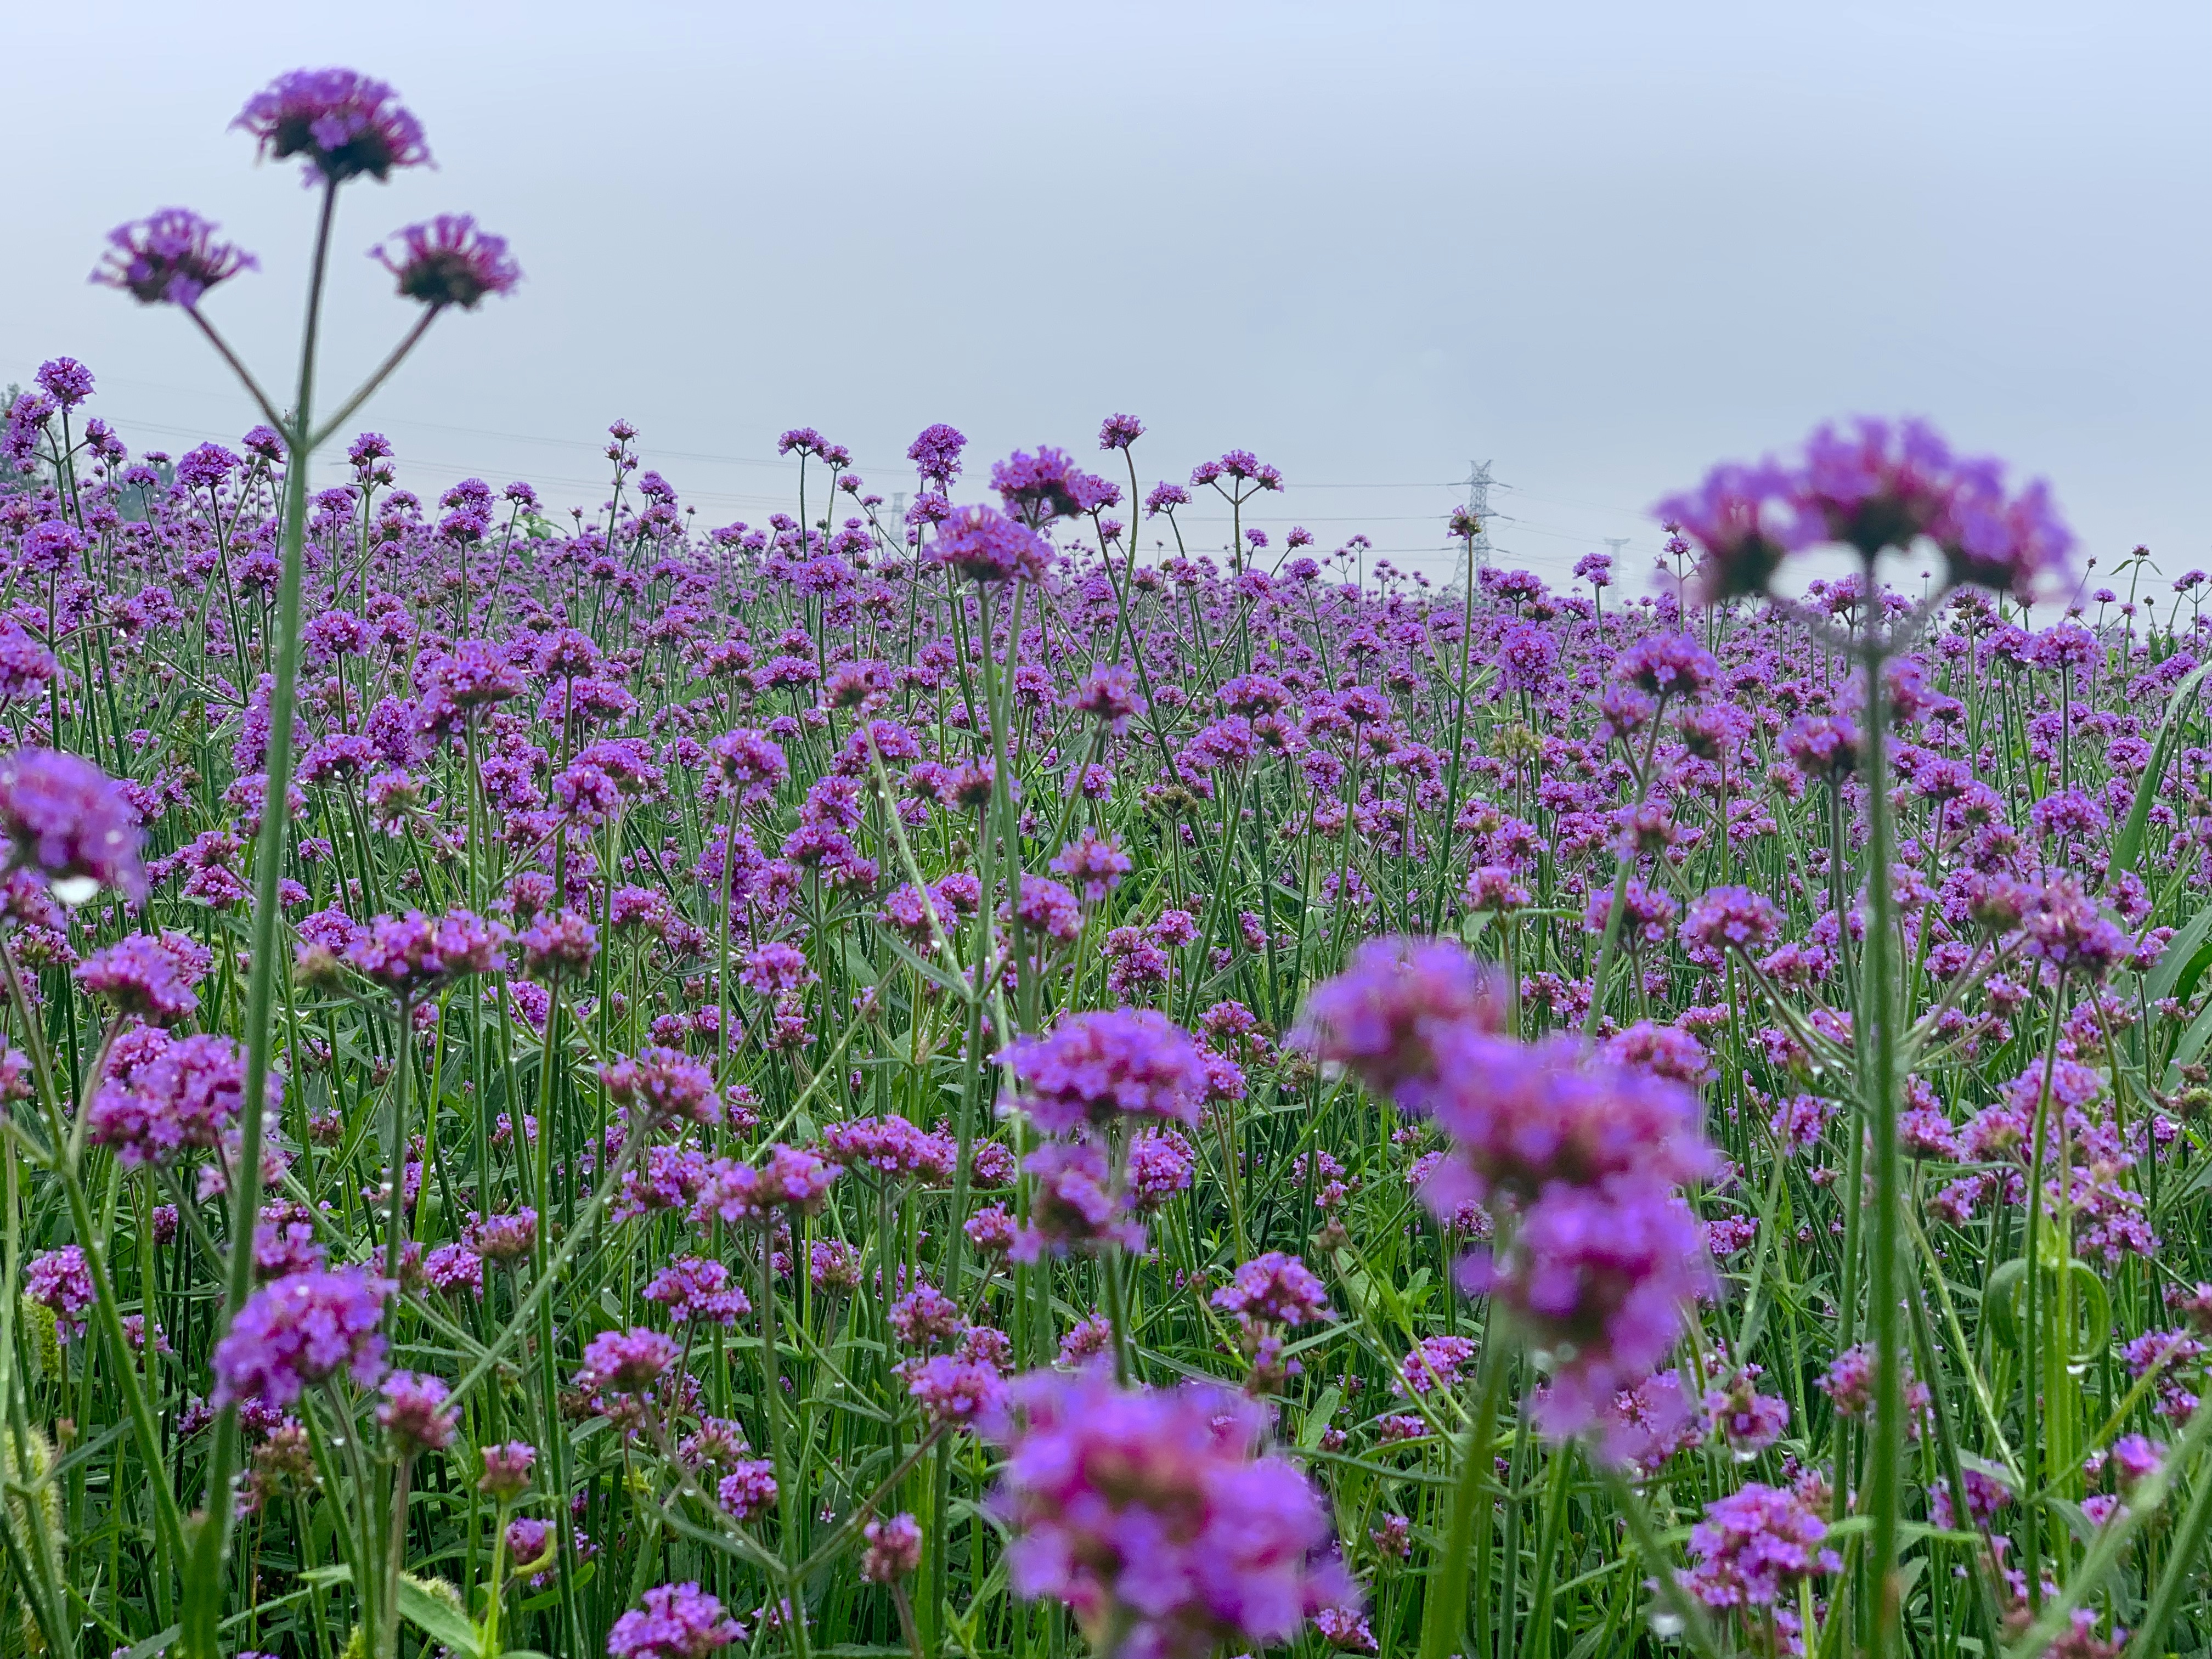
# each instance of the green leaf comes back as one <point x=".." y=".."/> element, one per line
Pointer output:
<point x="929" y="970"/>
<point x="2184" y="961"/>
<point x="2191" y="1045"/>
<point x="439" y="1619"/>
<point x="2127" y="846"/>
<point x="153" y="1645"/>
<point x="1316" y="1423"/>
<point x="856" y="961"/>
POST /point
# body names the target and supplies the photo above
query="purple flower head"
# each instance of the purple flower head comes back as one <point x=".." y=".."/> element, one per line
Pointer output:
<point x="342" y="123"/>
<point x="981" y="543"/>
<point x="448" y="261"/>
<point x="1037" y="489"/>
<point x="935" y="453"/>
<point x="1095" y="1067"/>
<point x="693" y="1289"/>
<point x="27" y="667"/>
<point x="2013" y="546"/>
<point x="1160" y="1166"/>
<point x="1738" y="516"/>
<point x="794" y="1178"/>
<point x="506" y="1236"/>
<point x="676" y="1621"/>
<point x="297" y="1331"/>
<point x="1273" y="1288"/>
<point x="1596" y="1278"/>
<point x="1119" y="431"/>
<point x="1383" y="1014"/>
<point x="1074" y="1208"/>
<point x="952" y="1390"/>
<point x="1094" y="864"/>
<point x="1524" y="1116"/>
<point x="1527" y="656"/>
<point x="1108" y="695"/>
<point x="507" y="1469"/>
<point x="68" y="821"/>
<point x="529" y="1542"/>
<point x="1747" y="1420"/>
<point x="1850" y="1383"/>
<point x="2064" y="928"/>
<point x="474" y="673"/>
<point x="455" y="1269"/>
<point x="805" y="440"/>
<point x="414" y="1413"/>
<point x="924" y="1317"/>
<point x="1436" y="1362"/>
<point x="187" y="1096"/>
<point x="61" y="1282"/>
<point x="66" y="380"/>
<point x="626" y="1362"/>
<point x="749" y="1490"/>
<point x="1732" y="918"/>
<point x="139" y="976"/>
<point x="51" y="547"/>
<point x="832" y="1265"/>
<point x="558" y="944"/>
<point x="891" y="1146"/>
<point x="746" y="764"/>
<point x="1240" y="467"/>
<point x="1823" y="746"/>
<point x="1046" y="908"/>
<point x="1155" y="1508"/>
<point x="662" y="1085"/>
<point x="1754" y="1546"/>
<point x="2135" y="1459"/>
<point x="170" y="257"/>
<point x="1985" y="1497"/>
<point x="1666" y="665"/>
<point x="410" y="954"/>
<point x="894" y="1549"/>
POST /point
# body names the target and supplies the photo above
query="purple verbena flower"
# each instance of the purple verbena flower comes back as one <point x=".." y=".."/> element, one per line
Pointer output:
<point x="342" y="123"/>
<point x="1095" y="1067"/>
<point x="300" y="1330"/>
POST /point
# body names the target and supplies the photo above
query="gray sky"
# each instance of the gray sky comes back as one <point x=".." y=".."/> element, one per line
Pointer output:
<point x="1602" y="244"/>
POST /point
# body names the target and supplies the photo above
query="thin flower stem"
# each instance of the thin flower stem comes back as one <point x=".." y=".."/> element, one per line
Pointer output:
<point x="269" y="410"/>
<point x="203" y="1601"/>
<point x="1877" y="1011"/>
<point x="384" y="372"/>
<point x="1443" y="1622"/>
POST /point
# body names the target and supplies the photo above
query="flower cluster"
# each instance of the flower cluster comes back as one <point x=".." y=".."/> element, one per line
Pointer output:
<point x="1150" y="1511"/>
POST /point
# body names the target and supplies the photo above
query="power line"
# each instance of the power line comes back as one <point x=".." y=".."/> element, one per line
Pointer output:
<point x="1477" y="555"/>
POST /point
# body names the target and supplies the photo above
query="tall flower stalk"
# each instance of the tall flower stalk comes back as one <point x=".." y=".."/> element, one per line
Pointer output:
<point x="342" y="126"/>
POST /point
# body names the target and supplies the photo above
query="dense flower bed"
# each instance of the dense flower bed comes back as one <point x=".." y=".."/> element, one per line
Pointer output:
<point x="929" y="1084"/>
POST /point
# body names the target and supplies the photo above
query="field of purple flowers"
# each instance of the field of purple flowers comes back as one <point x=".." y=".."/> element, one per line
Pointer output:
<point x="927" y="1085"/>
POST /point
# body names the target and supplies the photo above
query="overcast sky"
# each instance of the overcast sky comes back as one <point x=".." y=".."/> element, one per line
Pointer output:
<point x="1601" y="245"/>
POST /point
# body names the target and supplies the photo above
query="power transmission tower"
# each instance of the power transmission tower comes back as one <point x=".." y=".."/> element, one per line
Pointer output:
<point x="1478" y="506"/>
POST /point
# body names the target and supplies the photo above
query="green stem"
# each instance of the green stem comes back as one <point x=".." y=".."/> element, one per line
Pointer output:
<point x="1878" y="1012"/>
<point x="205" y="1575"/>
<point x="1443" y="1623"/>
